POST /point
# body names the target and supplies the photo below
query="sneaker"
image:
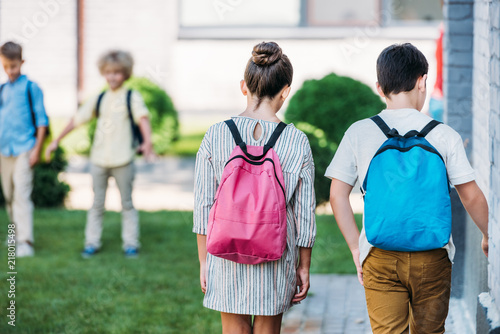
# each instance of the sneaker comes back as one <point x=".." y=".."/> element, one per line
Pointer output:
<point x="89" y="251"/>
<point x="131" y="252"/>
<point x="24" y="249"/>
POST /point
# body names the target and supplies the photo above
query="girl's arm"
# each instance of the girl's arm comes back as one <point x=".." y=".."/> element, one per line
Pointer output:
<point x="53" y="145"/>
<point x="339" y="200"/>
<point x="202" y="256"/>
<point x="147" y="146"/>
<point x="303" y="274"/>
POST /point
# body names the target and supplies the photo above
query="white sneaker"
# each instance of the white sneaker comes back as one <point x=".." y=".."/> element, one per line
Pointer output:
<point x="24" y="249"/>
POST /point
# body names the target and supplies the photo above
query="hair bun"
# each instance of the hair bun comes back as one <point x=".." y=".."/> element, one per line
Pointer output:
<point x="265" y="54"/>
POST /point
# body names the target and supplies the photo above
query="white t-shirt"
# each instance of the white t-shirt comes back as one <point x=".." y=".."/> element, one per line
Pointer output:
<point x="362" y="140"/>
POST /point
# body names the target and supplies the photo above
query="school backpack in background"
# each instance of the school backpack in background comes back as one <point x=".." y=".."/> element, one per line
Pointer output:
<point x="247" y="222"/>
<point x="407" y="193"/>
<point x="137" y="138"/>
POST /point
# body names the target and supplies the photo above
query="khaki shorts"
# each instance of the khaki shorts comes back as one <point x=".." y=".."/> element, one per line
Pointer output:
<point x="407" y="290"/>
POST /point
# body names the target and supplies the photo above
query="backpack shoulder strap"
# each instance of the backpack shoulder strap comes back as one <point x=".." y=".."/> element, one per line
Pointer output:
<point x="30" y="103"/>
<point x="239" y="142"/>
<point x="236" y="134"/>
<point x="129" y="105"/>
<point x="98" y="104"/>
<point x="136" y="135"/>
<point x="381" y="124"/>
<point x="388" y="132"/>
<point x="428" y="128"/>
<point x="274" y="137"/>
<point x="1" y="87"/>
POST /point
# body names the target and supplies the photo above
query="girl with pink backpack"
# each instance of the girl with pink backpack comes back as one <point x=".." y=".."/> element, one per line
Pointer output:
<point x="254" y="204"/>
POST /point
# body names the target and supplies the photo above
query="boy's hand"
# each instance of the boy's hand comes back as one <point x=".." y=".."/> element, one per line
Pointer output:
<point x="484" y="245"/>
<point x="34" y="157"/>
<point x="302" y="283"/>
<point x="51" y="148"/>
<point x="359" y="268"/>
<point x="147" y="150"/>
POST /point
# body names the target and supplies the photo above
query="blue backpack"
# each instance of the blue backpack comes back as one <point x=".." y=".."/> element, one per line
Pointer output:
<point x="407" y="193"/>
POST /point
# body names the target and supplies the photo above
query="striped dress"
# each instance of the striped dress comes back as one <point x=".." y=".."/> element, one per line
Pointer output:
<point x="266" y="288"/>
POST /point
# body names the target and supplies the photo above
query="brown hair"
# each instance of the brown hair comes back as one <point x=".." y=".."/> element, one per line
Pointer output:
<point x="117" y="57"/>
<point x="268" y="71"/>
<point x="12" y="51"/>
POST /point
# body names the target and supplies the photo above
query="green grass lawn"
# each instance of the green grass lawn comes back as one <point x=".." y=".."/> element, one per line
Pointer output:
<point x="59" y="292"/>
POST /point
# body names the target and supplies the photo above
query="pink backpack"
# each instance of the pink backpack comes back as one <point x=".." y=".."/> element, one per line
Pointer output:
<point x="247" y="222"/>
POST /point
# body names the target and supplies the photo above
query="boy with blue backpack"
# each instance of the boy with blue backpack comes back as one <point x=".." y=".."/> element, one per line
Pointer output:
<point x="405" y="162"/>
<point x="23" y="126"/>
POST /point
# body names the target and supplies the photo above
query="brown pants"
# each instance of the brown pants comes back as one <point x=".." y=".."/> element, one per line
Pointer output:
<point x="407" y="290"/>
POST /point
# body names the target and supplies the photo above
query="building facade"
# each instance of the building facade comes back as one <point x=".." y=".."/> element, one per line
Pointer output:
<point x="472" y="106"/>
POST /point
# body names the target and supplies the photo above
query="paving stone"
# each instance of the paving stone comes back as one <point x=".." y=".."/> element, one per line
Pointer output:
<point x="336" y="306"/>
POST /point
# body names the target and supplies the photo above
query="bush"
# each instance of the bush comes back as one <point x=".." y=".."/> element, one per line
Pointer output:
<point x="163" y="116"/>
<point x="324" y="109"/>
<point x="48" y="191"/>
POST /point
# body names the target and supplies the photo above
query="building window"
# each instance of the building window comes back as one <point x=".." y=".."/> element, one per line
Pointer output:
<point x="240" y="13"/>
<point x="237" y="19"/>
<point x="342" y="13"/>
<point x="411" y="11"/>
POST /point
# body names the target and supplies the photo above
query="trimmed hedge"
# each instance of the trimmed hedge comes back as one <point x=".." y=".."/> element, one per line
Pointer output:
<point x="48" y="190"/>
<point x="163" y="115"/>
<point x="324" y="109"/>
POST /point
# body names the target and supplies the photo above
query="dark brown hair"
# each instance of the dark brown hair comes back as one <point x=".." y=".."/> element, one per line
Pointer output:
<point x="268" y="71"/>
<point x="11" y="51"/>
<point x="398" y="68"/>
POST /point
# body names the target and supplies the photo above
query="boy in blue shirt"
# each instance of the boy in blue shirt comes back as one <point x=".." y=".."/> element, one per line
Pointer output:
<point x="23" y="125"/>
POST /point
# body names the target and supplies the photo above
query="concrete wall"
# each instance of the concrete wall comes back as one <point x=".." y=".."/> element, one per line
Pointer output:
<point x="215" y="67"/>
<point x="201" y="75"/>
<point x="146" y="28"/>
<point x="472" y="77"/>
<point x="494" y="155"/>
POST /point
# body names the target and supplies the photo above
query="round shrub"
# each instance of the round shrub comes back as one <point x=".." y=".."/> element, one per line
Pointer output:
<point x="163" y="116"/>
<point x="48" y="190"/>
<point x="324" y="109"/>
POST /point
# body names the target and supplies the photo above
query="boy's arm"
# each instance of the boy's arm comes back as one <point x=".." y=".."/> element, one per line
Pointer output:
<point x="53" y="145"/>
<point x="147" y="145"/>
<point x="85" y="113"/>
<point x="202" y="256"/>
<point x="35" y="153"/>
<point x="41" y="120"/>
<point x="339" y="200"/>
<point x="140" y="114"/>
<point x="476" y="205"/>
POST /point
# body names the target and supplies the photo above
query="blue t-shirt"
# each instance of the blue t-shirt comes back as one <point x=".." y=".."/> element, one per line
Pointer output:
<point x="17" y="131"/>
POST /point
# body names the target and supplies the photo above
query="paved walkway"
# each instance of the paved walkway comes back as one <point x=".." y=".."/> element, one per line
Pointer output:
<point x="166" y="184"/>
<point x="336" y="304"/>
